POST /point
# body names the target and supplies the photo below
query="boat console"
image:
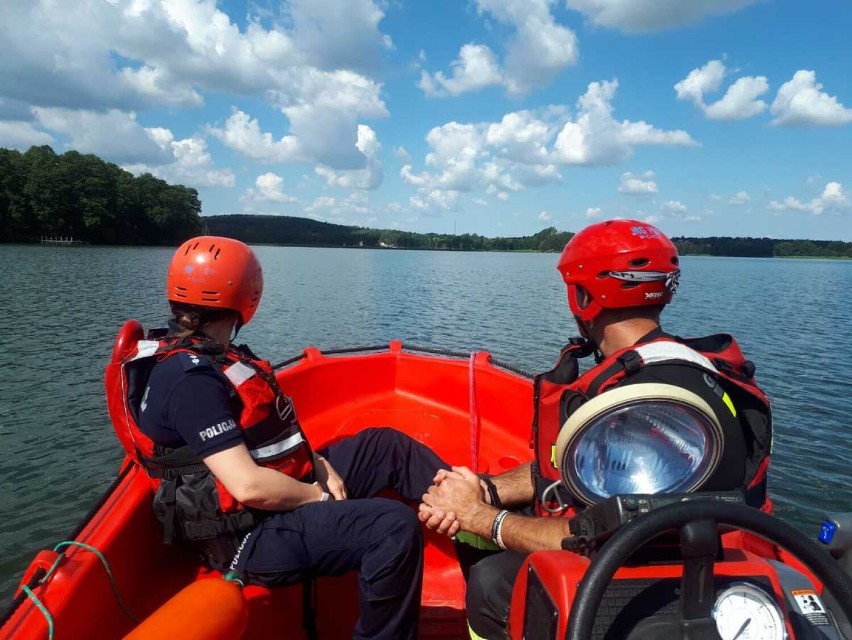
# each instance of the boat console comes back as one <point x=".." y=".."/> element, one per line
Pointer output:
<point x="689" y="566"/>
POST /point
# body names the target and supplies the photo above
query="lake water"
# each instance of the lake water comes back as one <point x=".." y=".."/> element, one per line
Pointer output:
<point x="61" y="306"/>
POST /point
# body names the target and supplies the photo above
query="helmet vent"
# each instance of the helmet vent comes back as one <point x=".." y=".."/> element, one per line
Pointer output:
<point x="603" y="274"/>
<point x="630" y="285"/>
<point x="639" y="262"/>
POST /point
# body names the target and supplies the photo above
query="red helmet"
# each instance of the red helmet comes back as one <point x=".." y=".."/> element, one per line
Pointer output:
<point x="221" y="273"/>
<point x="618" y="263"/>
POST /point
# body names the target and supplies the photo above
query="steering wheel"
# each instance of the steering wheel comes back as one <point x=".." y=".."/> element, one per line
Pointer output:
<point x="698" y="521"/>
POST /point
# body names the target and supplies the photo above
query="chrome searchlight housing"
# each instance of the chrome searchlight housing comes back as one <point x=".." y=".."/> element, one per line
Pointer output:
<point x="640" y="438"/>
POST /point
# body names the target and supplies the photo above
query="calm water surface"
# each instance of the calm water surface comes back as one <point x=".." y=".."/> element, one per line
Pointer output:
<point x="61" y="306"/>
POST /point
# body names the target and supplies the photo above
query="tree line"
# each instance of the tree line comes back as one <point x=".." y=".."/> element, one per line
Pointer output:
<point x="763" y="247"/>
<point x="307" y="232"/>
<point x="81" y="196"/>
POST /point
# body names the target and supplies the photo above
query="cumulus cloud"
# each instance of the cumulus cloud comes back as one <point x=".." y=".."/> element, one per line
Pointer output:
<point x="527" y="148"/>
<point x="740" y="100"/>
<point x="674" y="206"/>
<point x="638" y="185"/>
<point x="433" y="201"/>
<point x="339" y="35"/>
<point x="833" y="198"/>
<point x="113" y="134"/>
<point x="536" y="52"/>
<point x="544" y="216"/>
<point x="595" y="137"/>
<point x="802" y="102"/>
<point x="632" y="16"/>
<point x="188" y="162"/>
<point x="15" y="134"/>
<point x="594" y="212"/>
<point x="352" y="207"/>
<point x="402" y="154"/>
<point x="740" y="198"/>
<point x="129" y="55"/>
<point x="370" y="177"/>
<point x="269" y="187"/>
<point x="242" y="134"/>
<point x="475" y="68"/>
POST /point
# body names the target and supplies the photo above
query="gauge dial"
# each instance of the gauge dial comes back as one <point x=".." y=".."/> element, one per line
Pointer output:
<point x="746" y="612"/>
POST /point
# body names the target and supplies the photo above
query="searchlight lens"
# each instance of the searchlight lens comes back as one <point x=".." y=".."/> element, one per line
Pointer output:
<point x="645" y="446"/>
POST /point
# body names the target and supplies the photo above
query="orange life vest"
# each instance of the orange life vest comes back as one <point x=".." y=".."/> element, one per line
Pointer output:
<point x="190" y="501"/>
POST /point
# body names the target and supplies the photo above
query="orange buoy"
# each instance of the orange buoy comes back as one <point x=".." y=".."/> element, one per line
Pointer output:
<point x="209" y="609"/>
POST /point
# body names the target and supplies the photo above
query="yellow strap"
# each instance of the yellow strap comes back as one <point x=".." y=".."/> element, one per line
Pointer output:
<point x="473" y="634"/>
<point x="553" y="455"/>
<point x="727" y="400"/>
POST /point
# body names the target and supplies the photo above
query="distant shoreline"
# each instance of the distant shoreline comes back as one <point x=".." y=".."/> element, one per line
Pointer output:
<point x="78" y="245"/>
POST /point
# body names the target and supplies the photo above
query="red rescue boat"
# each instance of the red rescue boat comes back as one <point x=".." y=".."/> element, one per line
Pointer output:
<point x="474" y="411"/>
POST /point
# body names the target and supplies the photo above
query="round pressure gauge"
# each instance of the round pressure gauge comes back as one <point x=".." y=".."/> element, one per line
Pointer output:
<point x="746" y="612"/>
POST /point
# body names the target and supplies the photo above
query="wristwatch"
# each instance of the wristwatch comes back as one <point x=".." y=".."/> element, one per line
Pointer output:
<point x="325" y="495"/>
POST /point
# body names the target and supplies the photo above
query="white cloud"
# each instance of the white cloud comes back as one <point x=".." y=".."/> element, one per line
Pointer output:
<point x="339" y="35"/>
<point x="433" y="201"/>
<point x="455" y="150"/>
<point x="521" y="137"/>
<point x="402" y="154"/>
<point x="536" y="52"/>
<point x="352" y="207"/>
<point x="242" y="134"/>
<point x="638" y="185"/>
<point x="269" y="188"/>
<point x="674" y="206"/>
<point x="801" y="101"/>
<point x="544" y="216"/>
<point x="594" y="212"/>
<point x="22" y="135"/>
<point x="597" y="138"/>
<point x="706" y="79"/>
<point x="114" y="135"/>
<point x="740" y="198"/>
<point x="188" y="162"/>
<point x="370" y="177"/>
<point x="740" y="100"/>
<point x="475" y="68"/>
<point x="833" y="198"/>
<point x="633" y="16"/>
<point x="527" y="148"/>
<point x="129" y="55"/>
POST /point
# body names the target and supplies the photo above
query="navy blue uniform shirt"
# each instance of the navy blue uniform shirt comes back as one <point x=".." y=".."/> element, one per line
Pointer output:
<point x="188" y="401"/>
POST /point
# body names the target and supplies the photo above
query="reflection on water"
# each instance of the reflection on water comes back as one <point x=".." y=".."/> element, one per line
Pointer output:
<point x="61" y="307"/>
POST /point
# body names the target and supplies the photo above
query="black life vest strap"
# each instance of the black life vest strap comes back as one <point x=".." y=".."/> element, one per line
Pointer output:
<point x="173" y="463"/>
<point x="168" y="497"/>
<point x="756" y="496"/>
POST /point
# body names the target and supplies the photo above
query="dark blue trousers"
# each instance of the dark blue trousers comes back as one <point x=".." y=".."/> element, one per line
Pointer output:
<point x="379" y="538"/>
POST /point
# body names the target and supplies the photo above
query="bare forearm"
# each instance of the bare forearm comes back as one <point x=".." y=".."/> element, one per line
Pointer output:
<point x="526" y="534"/>
<point x="515" y="487"/>
<point x="274" y="491"/>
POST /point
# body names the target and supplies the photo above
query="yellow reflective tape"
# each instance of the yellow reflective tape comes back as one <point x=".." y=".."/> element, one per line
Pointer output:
<point x="553" y="455"/>
<point x="473" y="634"/>
<point x="727" y="400"/>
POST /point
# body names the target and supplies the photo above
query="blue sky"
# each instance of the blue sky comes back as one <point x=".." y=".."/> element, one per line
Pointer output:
<point x="498" y="117"/>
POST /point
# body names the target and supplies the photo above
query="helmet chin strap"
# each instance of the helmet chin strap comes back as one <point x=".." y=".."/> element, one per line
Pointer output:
<point x="587" y="335"/>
